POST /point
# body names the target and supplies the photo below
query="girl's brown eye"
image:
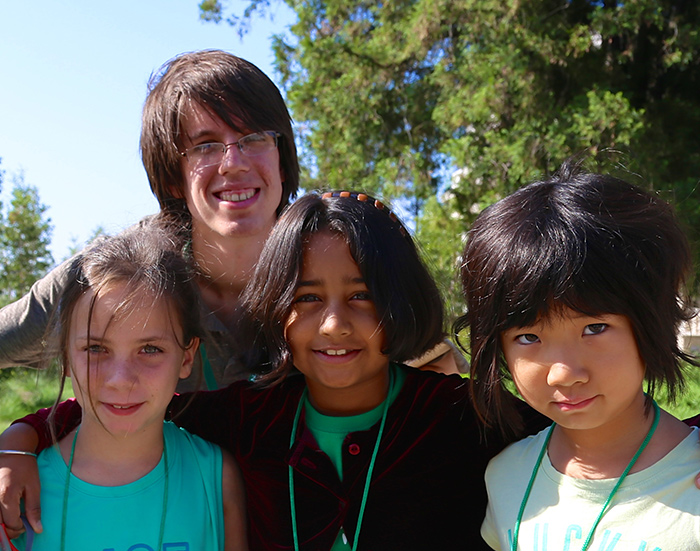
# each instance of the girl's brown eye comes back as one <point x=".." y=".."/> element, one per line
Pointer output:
<point x="527" y="338"/>
<point x="595" y="328"/>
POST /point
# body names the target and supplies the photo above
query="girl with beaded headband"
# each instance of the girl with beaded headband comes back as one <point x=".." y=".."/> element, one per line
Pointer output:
<point x="340" y="297"/>
<point x="340" y="446"/>
<point x="128" y="330"/>
<point x="573" y="288"/>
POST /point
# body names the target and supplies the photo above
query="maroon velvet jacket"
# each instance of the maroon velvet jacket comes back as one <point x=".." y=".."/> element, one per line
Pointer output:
<point x="427" y="489"/>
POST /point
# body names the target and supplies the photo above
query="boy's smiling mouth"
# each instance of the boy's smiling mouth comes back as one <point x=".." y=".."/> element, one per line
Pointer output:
<point x="237" y="196"/>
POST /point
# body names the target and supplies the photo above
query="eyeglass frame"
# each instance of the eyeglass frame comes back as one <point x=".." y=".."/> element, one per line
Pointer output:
<point x="275" y="135"/>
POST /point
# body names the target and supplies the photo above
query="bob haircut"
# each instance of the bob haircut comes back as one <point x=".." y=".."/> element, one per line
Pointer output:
<point x="588" y="242"/>
<point x="232" y="89"/>
<point x="146" y="260"/>
<point x="407" y="300"/>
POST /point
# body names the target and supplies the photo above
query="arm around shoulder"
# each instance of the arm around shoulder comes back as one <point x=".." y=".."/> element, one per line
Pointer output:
<point x="23" y="323"/>
<point x="233" y="493"/>
<point x="19" y="476"/>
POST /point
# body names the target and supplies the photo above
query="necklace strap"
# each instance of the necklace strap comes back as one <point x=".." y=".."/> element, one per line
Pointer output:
<point x="67" y="486"/>
<point x="370" y="469"/>
<point x="587" y="542"/>
<point x="292" y="500"/>
<point x="531" y="482"/>
<point x="161" y="534"/>
<point x="65" y="490"/>
<point x="624" y="474"/>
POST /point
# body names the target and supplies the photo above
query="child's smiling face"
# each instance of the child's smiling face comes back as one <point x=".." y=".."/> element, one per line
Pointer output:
<point x="582" y="372"/>
<point x="334" y="333"/>
<point x="125" y="369"/>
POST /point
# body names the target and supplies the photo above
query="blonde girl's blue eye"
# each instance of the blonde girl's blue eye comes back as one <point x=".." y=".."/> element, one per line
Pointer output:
<point x="527" y="338"/>
<point x="94" y="349"/>
<point x="150" y="349"/>
<point x="595" y="328"/>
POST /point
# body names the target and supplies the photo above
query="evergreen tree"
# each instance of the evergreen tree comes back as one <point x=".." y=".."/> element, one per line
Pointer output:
<point x="412" y="97"/>
<point x="25" y="236"/>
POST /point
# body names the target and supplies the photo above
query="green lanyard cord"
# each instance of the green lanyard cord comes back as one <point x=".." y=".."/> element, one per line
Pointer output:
<point x="292" y="500"/>
<point x="67" y="486"/>
<point x="516" y="531"/>
<point x="370" y="469"/>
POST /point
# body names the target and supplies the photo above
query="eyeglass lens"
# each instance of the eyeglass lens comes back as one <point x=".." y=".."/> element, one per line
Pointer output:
<point x="212" y="153"/>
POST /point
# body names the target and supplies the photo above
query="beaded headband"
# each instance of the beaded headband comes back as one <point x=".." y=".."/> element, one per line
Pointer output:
<point x="364" y="198"/>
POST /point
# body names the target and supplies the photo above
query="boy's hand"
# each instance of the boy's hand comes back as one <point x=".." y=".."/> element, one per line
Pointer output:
<point x="19" y="480"/>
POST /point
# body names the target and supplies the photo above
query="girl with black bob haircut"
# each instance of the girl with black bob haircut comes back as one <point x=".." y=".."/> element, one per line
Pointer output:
<point x="408" y="303"/>
<point x="574" y="288"/>
<point x="588" y="242"/>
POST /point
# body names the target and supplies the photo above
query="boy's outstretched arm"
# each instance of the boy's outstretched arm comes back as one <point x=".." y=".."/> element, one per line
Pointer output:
<point x="19" y="479"/>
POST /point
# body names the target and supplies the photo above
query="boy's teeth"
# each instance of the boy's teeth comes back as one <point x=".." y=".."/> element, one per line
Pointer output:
<point x="340" y="352"/>
<point x="234" y="196"/>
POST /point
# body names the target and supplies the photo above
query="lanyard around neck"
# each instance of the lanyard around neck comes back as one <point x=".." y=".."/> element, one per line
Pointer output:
<point x="516" y="532"/>
<point x="67" y="486"/>
<point x="365" y="492"/>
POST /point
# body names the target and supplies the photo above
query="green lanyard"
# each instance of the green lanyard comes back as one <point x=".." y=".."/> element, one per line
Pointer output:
<point x="514" y="544"/>
<point x="368" y="479"/>
<point x="67" y="486"/>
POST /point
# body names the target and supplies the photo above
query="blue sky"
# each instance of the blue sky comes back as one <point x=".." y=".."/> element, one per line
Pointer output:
<point x="73" y="81"/>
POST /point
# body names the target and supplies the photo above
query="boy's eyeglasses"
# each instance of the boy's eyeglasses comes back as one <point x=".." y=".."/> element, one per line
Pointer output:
<point x="212" y="153"/>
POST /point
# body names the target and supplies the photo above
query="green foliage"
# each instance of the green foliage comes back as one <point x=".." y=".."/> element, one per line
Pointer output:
<point x="213" y="10"/>
<point x="23" y="391"/>
<point x="210" y="10"/>
<point x="686" y="403"/>
<point x="25" y="235"/>
<point x="392" y="97"/>
<point x="358" y="79"/>
<point x="441" y="233"/>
